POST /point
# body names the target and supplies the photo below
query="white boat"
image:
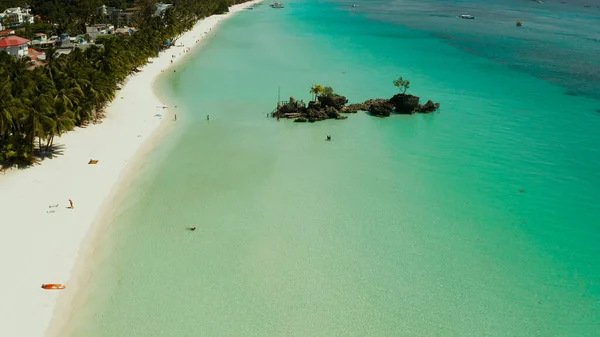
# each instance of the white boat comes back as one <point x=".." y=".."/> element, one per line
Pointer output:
<point x="277" y="5"/>
<point x="467" y="16"/>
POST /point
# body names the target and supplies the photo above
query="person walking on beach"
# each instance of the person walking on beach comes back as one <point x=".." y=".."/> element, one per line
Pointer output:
<point x="71" y="203"/>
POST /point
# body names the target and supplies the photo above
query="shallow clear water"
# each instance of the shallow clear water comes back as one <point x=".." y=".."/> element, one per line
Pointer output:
<point x="409" y="225"/>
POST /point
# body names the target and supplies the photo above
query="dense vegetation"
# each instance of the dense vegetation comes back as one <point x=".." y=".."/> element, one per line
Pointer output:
<point x="38" y="104"/>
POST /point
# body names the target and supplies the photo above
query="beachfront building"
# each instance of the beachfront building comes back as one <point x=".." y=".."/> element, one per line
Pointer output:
<point x="161" y="8"/>
<point x="15" y="46"/>
<point x="40" y="37"/>
<point x="97" y="30"/>
<point x="6" y="33"/>
<point x="40" y="40"/>
<point x="36" y="57"/>
<point x="17" y="16"/>
<point x="130" y="12"/>
<point x="125" y="30"/>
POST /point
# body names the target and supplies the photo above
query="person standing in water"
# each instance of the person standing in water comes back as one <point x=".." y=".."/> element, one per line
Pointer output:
<point x="175" y="117"/>
<point x="207" y="117"/>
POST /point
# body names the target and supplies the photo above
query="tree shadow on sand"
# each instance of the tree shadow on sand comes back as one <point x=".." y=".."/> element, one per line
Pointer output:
<point x="54" y="151"/>
<point x="37" y="159"/>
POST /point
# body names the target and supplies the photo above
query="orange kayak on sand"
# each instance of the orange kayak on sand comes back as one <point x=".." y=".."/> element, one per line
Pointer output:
<point x="53" y="286"/>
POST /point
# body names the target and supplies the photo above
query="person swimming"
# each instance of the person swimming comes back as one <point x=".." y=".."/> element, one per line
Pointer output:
<point x="328" y="138"/>
<point x="192" y="228"/>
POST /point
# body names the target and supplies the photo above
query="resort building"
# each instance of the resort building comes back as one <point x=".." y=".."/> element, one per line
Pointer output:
<point x="125" y="30"/>
<point x="17" y="16"/>
<point x="41" y="40"/>
<point x="15" y="46"/>
<point x="97" y="30"/>
<point x="6" y="33"/>
<point x="36" y="56"/>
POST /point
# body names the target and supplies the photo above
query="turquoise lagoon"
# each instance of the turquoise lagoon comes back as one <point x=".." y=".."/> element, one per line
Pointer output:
<point x="479" y="220"/>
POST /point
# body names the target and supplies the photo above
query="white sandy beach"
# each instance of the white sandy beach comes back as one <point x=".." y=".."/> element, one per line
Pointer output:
<point x="41" y="244"/>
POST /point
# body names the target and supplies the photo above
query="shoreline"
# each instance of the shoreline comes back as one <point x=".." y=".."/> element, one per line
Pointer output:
<point x="43" y="244"/>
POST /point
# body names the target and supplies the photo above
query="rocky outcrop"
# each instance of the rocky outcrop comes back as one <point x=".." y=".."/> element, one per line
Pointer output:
<point x="399" y="104"/>
<point x="429" y="107"/>
<point x="291" y="107"/>
<point x="332" y="106"/>
<point x="326" y="107"/>
<point x="336" y="101"/>
<point x="354" y="108"/>
<point x="409" y="104"/>
<point x="405" y="104"/>
<point x="379" y="107"/>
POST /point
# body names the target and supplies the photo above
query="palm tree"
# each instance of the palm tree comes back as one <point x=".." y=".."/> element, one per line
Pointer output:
<point x="316" y="90"/>
<point x="37" y="120"/>
<point x="100" y="91"/>
<point x="6" y="106"/>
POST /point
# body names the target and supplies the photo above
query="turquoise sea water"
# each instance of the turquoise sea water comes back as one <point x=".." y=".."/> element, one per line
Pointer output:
<point x="479" y="220"/>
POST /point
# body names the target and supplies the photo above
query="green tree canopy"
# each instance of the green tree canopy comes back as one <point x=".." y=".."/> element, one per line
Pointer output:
<point x="316" y="90"/>
<point x="39" y="103"/>
<point x="402" y="84"/>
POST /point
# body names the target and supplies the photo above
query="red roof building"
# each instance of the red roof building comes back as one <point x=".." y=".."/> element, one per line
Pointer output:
<point x="35" y="55"/>
<point x="13" y="41"/>
<point x="7" y="32"/>
<point x="15" y="46"/>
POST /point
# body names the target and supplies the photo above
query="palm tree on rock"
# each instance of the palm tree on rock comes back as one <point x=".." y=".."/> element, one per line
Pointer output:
<point x="316" y="90"/>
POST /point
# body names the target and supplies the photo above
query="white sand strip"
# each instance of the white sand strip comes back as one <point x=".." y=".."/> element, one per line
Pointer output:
<point x="40" y="244"/>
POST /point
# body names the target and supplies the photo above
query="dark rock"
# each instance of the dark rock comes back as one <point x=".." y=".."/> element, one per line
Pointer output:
<point x="405" y="104"/>
<point x="336" y="101"/>
<point x="380" y="107"/>
<point x="354" y="108"/>
<point x="330" y="107"/>
<point x="428" y="107"/>
<point x="314" y="115"/>
<point x="292" y="107"/>
<point x="332" y="112"/>
<point x="314" y="105"/>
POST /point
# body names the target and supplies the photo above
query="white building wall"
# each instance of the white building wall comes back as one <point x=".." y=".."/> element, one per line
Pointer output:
<point x="18" y="51"/>
<point x="18" y="15"/>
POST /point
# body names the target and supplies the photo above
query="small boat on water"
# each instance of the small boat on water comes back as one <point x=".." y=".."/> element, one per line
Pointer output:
<point x="467" y="16"/>
<point x="277" y="5"/>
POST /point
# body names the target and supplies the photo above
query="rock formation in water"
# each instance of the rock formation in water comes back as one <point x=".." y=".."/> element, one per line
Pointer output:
<point x="326" y="107"/>
<point x="331" y="106"/>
